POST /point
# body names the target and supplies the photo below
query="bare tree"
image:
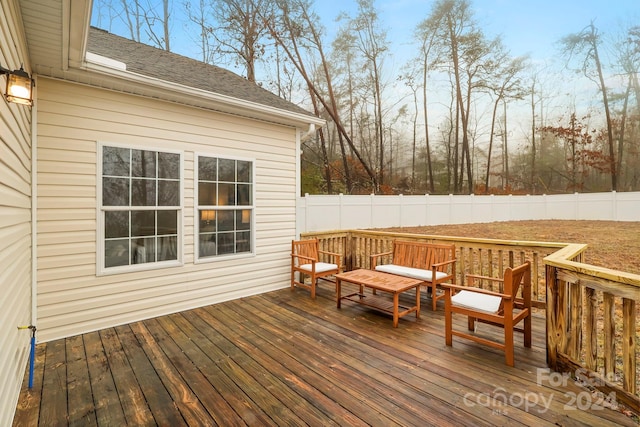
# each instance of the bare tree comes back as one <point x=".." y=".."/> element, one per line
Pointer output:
<point x="140" y="16"/>
<point x="372" y="43"/>
<point x="627" y="52"/>
<point x="287" y="34"/>
<point x="425" y="34"/>
<point x="200" y="15"/>
<point x="586" y="43"/>
<point x="240" y="31"/>
<point x="464" y="53"/>
<point x="410" y="81"/>
<point x="505" y="84"/>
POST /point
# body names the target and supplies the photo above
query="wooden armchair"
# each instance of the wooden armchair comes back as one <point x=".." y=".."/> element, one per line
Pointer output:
<point x="504" y="309"/>
<point x="305" y="260"/>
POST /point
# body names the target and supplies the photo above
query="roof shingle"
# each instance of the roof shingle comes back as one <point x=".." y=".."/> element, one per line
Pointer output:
<point x="157" y="63"/>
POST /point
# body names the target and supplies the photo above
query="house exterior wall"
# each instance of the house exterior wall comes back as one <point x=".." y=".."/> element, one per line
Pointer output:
<point x="72" y="119"/>
<point x="15" y="221"/>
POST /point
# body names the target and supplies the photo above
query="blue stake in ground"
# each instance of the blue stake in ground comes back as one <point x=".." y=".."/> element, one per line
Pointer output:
<point x="32" y="356"/>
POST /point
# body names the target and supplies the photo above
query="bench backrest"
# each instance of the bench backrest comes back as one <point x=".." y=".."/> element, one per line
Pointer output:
<point x="421" y="254"/>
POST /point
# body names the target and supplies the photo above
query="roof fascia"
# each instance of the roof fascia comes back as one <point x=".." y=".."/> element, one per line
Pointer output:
<point x="76" y="19"/>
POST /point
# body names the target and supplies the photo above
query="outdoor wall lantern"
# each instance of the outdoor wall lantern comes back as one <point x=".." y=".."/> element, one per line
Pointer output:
<point x="19" y="86"/>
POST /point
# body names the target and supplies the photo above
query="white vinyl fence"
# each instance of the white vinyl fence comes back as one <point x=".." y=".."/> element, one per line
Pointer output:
<point x="340" y="212"/>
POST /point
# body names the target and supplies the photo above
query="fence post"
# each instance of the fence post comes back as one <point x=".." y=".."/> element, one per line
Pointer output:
<point x="426" y="209"/>
<point x="340" y="202"/>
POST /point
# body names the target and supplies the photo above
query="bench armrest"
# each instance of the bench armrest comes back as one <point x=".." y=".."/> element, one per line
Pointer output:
<point x="440" y="264"/>
<point x="374" y="258"/>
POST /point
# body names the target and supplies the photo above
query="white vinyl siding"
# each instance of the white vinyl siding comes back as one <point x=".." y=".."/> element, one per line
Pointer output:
<point x="72" y="119"/>
<point x="15" y="222"/>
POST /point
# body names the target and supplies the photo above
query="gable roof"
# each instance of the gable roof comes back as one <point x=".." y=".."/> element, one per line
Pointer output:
<point x="57" y="35"/>
<point x="171" y="67"/>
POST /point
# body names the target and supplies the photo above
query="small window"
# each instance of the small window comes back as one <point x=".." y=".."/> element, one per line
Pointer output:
<point x="140" y="208"/>
<point x="224" y="209"/>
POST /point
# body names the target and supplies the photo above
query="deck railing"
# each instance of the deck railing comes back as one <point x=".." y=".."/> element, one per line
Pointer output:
<point x="591" y="312"/>
<point x="593" y="325"/>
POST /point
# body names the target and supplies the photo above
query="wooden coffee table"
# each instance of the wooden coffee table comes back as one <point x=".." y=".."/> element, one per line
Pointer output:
<point x="384" y="282"/>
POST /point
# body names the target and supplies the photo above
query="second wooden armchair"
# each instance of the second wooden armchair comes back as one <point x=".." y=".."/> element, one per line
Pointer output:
<point x="504" y="309"/>
<point x="306" y="260"/>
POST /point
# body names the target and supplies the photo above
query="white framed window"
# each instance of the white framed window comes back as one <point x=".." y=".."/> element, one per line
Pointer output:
<point x="140" y="208"/>
<point x="224" y="208"/>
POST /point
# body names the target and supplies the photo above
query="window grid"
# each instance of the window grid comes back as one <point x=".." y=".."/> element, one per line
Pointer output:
<point x="143" y="229"/>
<point x="224" y="209"/>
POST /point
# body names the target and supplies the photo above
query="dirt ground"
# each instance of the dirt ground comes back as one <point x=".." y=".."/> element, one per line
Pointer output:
<point x="612" y="244"/>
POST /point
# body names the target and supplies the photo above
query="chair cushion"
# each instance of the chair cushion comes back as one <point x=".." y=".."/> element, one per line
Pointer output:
<point x="414" y="273"/>
<point x="321" y="267"/>
<point x="476" y="301"/>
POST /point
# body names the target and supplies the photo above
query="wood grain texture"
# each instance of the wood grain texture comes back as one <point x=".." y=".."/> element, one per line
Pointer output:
<point x="281" y="358"/>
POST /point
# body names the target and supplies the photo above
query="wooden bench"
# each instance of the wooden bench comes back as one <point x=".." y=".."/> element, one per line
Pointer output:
<point x="433" y="263"/>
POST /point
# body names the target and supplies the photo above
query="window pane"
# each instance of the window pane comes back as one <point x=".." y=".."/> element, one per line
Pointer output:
<point x="207" y="169"/>
<point x="243" y="241"/>
<point x="225" y="243"/>
<point x="115" y="161"/>
<point x="143" y="163"/>
<point x="225" y="220"/>
<point x="115" y="191"/>
<point x="227" y="170"/>
<point x="207" y="194"/>
<point x="168" y="193"/>
<point x="167" y="222"/>
<point x="116" y="252"/>
<point x="243" y="219"/>
<point x="169" y="165"/>
<point x="143" y="251"/>
<point x="226" y="194"/>
<point x="167" y="248"/>
<point x="244" y="171"/>
<point x="207" y="221"/>
<point x="244" y="194"/>
<point x="143" y="223"/>
<point x="143" y="192"/>
<point x="116" y="224"/>
<point x="207" y="245"/>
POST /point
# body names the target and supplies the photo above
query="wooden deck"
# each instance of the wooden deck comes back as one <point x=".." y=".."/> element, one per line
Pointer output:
<point x="284" y="359"/>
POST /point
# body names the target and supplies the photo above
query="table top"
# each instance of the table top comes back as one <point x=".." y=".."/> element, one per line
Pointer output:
<point x="379" y="280"/>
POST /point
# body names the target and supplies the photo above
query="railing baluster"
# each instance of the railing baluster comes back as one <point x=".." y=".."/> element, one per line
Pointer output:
<point x="591" y="328"/>
<point x="629" y="345"/>
<point x="609" y="336"/>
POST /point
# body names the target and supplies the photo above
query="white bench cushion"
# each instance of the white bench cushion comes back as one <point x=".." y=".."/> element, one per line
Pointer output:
<point x="414" y="273"/>
<point x="321" y="267"/>
<point x="476" y="301"/>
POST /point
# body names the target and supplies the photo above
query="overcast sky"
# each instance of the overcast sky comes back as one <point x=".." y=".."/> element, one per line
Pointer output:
<point x="527" y="26"/>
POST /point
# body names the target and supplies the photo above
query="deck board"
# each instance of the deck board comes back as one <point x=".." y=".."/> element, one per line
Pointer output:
<point x="283" y="359"/>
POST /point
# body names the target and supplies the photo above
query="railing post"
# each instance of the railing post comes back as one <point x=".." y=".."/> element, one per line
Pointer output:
<point x="553" y="335"/>
<point x="348" y="251"/>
